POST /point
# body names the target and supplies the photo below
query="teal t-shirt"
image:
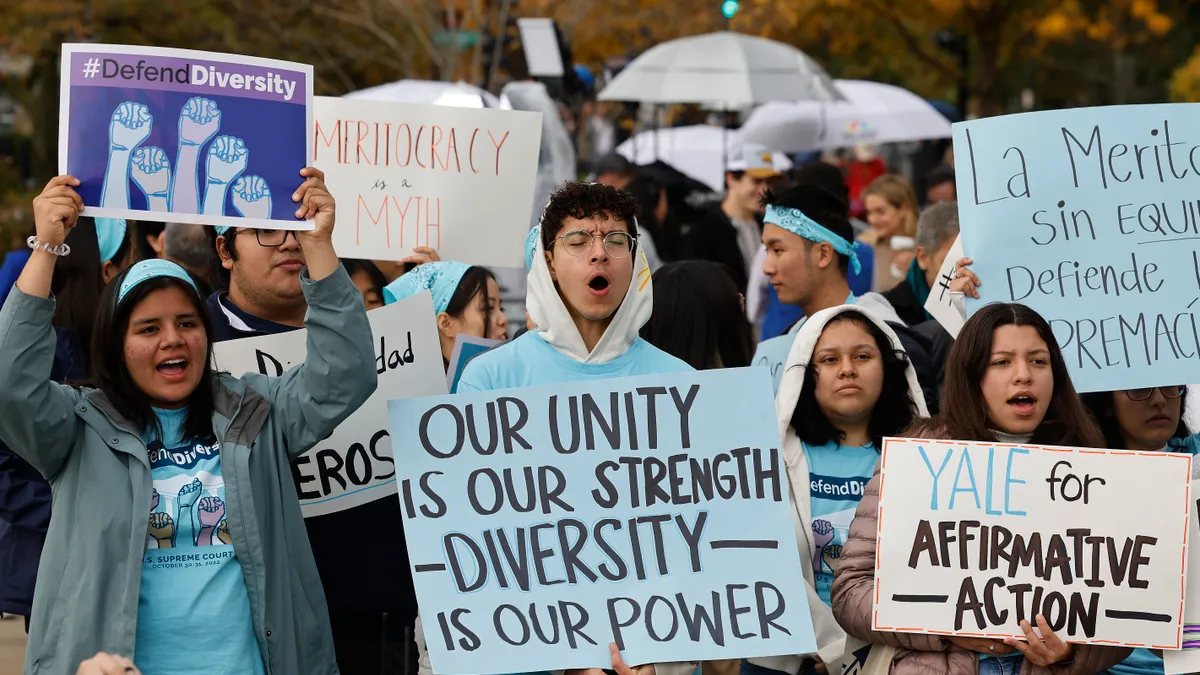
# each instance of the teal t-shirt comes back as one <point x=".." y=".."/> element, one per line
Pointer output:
<point x="529" y="361"/>
<point x="837" y="476"/>
<point x="193" y="608"/>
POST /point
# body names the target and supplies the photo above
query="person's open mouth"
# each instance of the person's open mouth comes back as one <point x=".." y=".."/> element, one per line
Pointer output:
<point x="1023" y="403"/>
<point x="599" y="285"/>
<point x="173" y="370"/>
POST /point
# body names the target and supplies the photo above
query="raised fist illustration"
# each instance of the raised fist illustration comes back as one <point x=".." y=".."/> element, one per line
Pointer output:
<point x="223" y="532"/>
<point x="188" y="494"/>
<point x="212" y="510"/>
<point x="131" y="123"/>
<point x="162" y="528"/>
<point x="152" y="173"/>
<point x="227" y="157"/>
<point x="199" y="120"/>
<point x="154" y="499"/>
<point x="252" y="197"/>
<point x="822" y="535"/>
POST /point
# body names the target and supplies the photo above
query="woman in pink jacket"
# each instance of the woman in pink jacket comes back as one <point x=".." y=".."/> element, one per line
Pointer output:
<point x="1006" y="381"/>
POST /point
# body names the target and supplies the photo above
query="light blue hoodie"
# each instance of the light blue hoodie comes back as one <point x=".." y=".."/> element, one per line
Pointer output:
<point x="555" y="352"/>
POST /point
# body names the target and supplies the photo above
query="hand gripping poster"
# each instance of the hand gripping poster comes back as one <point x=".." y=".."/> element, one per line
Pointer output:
<point x="185" y="136"/>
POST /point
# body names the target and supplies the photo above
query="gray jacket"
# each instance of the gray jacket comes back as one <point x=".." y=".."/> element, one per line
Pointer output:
<point x="87" y="590"/>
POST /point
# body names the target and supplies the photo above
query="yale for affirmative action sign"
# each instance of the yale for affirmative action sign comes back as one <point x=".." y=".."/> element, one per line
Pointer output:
<point x="974" y="537"/>
<point x="653" y="512"/>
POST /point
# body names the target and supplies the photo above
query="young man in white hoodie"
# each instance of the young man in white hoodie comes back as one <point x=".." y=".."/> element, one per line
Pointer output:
<point x="589" y="293"/>
<point x="810" y="252"/>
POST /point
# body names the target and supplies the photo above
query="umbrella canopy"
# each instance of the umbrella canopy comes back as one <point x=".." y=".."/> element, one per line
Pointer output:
<point x="696" y="151"/>
<point x="725" y="68"/>
<point x="872" y="113"/>
<point x="453" y="94"/>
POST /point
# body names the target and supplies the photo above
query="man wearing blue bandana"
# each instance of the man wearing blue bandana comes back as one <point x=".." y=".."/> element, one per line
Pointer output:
<point x="810" y="254"/>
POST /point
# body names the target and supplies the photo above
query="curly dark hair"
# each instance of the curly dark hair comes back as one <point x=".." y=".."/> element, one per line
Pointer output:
<point x="586" y="200"/>
<point x="894" y="411"/>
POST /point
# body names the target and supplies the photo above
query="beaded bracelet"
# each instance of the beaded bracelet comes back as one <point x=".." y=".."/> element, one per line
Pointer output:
<point x="60" y="250"/>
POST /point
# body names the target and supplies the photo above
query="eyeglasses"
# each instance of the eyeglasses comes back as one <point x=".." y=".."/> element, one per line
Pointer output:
<point x="616" y="244"/>
<point x="1173" y="391"/>
<point x="270" y="238"/>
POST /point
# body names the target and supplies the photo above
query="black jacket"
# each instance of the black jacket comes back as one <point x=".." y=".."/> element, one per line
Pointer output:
<point x="906" y="304"/>
<point x="922" y="353"/>
<point x="714" y="237"/>
<point x="376" y="581"/>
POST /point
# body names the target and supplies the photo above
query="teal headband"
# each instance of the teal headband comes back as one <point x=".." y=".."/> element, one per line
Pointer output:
<point x="150" y="269"/>
<point x="794" y="221"/>
<point x="222" y="229"/>
<point x="110" y="232"/>
<point x="531" y="245"/>
<point x="441" y="279"/>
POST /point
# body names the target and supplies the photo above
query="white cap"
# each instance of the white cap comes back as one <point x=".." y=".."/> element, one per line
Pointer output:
<point x="756" y="161"/>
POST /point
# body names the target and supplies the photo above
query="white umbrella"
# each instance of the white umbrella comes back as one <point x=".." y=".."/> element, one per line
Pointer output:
<point x="730" y="69"/>
<point x="873" y="112"/>
<point x="695" y="151"/>
<point x="453" y="94"/>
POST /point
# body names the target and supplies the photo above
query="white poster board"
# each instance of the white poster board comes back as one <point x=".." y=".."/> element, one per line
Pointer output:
<point x="938" y="303"/>
<point x="974" y="537"/>
<point x="405" y="175"/>
<point x="354" y="466"/>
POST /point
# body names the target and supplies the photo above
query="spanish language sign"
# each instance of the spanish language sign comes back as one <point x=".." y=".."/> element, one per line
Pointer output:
<point x="405" y="175"/>
<point x="185" y="136"/>
<point x="975" y="537"/>
<point x="545" y="523"/>
<point x="1089" y="216"/>
<point x="355" y="465"/>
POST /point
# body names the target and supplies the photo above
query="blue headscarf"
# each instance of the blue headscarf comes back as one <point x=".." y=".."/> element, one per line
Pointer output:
<point x="796" y="222"/>
<point x="110" y="233"/>
<point x="222" y="229"/>
<point x="531" y="246"/>
<point x="150" y="269"/>
<point x="441" y="279"/>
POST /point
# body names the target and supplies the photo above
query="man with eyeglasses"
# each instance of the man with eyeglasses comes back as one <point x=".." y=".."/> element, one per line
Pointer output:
<point x="589" y="295"/>
<point x="372" y="605"/>
<point x="264" y="298"/>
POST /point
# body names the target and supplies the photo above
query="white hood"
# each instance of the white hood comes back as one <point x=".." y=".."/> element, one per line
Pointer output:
<point x="831" y="639"/>
<point x="554" y="323"/>
<point x="802" y="351"/>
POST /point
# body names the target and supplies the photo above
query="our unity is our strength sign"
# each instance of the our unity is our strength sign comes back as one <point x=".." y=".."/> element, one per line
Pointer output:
<point x="545" y="523"/>
<point x="975" y="537"/>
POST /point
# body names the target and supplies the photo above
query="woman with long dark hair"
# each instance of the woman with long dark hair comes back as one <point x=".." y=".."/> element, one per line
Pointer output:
<point x="177" y="527"/>
<point x="846" y="386"/>
<point x="1006" y="381"/>
<point x="699" y="316"/>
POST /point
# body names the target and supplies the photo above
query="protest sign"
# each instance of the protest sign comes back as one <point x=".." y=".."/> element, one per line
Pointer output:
<point x="466" y="347"/>
<point x="404" y="175"/>
<point x="185" y="136"/>
<point x="938" y="303"/>
<point x="974" y="537"/>
<point x="545" y="523"/>
<point x="355" y="465"/>
<point x="1088" y="216"/>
